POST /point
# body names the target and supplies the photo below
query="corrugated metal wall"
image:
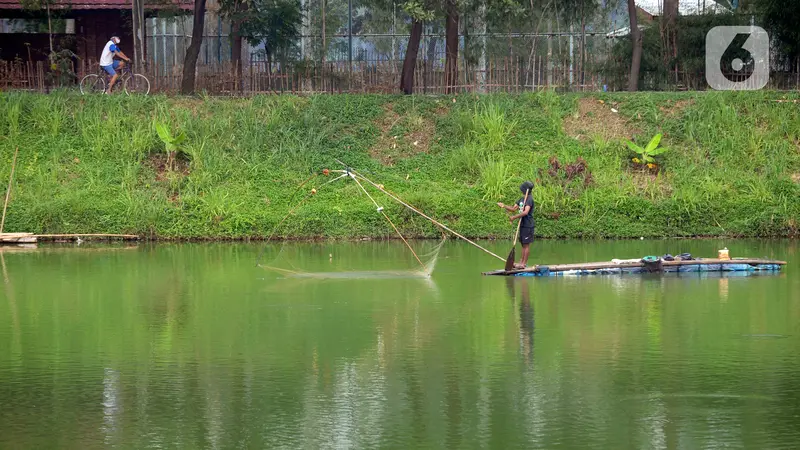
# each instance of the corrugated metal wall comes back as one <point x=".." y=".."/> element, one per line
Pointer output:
<point x="168" y="38"/>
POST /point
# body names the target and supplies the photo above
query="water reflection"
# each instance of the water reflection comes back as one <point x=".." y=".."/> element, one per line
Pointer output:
<point x="519" y="291"/>
<point x="112" y="407"/>
<point x="16" y="342"/>
<point x="191" y="347"/>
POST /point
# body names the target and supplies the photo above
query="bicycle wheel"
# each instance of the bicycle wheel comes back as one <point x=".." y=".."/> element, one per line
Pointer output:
<point x="137" y="84"/>
<point x="93" y="84"/>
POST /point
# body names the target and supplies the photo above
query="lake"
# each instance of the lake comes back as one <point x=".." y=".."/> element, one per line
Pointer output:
<point x="194" y="346"/>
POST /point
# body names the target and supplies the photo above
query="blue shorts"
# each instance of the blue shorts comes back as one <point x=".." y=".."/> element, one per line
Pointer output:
<point x="110" y="69"/>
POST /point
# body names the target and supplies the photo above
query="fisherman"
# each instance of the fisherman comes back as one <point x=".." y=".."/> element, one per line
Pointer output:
<point x="524" y="209"/>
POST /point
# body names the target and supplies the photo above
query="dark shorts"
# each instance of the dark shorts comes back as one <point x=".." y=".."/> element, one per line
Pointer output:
<point x="526" y="235"/>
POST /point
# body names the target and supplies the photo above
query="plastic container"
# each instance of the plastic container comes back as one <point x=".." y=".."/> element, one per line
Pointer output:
<point x="724" y="255"/>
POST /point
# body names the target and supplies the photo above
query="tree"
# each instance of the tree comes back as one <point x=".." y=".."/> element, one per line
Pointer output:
<point x="275" y="24"/>
<point x="781" y="18"/>
<point x="451" y="46"/>
<point x="419" y="12"/>
<point x="46" y="5"/>
<point x="60" y="54"/>
<point x="234" y="11"/>
<point x="691" y="59"/>
<point x="190" y="61"/>
<point x="576" y="13"/>
<point x="669" y="35"/>
<point x="636" y="38"/>
<point x="382" y="17"/>
<point x="138" y="27"/>
<point x="410" y="60"/>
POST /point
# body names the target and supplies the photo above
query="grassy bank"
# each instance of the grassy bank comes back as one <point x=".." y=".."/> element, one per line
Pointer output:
<point x="94" y="164"/>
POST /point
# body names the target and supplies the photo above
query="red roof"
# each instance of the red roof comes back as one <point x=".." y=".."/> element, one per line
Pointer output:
<point x="104" y="4"/>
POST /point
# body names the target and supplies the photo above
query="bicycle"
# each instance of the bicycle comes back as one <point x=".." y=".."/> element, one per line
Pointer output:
<point x="132" y="83"/>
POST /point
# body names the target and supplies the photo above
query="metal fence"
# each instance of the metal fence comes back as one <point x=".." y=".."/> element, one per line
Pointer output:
<point x="258" y="77"/>
<point x="499" y="75"/>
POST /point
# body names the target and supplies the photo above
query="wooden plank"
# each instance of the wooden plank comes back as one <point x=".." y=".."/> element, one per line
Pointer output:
<point x="75" y="236"/>
<point x="17" y="238"/>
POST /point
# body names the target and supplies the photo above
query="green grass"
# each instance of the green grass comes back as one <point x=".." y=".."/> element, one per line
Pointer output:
<point x="86" y="165"/>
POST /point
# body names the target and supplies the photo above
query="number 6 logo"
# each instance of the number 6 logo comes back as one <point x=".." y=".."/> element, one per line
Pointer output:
<point x="737" y="58"/>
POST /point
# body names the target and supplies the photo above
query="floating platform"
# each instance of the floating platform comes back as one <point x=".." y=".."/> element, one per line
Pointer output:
<point x="17" y="238"/>
<point x="30" y="238"/>
<point x="618" y="267"/>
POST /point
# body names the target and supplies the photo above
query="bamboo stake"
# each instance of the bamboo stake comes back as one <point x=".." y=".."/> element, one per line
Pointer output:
<point x="8" y="190"/>
<point x="68" y="236"/>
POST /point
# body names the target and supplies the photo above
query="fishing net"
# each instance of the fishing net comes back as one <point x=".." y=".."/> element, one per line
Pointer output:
<point x="274" y="258"/>
<point x="426" y="262"/>
<point x="283" y="258"/>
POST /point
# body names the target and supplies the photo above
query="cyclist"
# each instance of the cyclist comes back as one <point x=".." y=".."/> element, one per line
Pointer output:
<point x="109" y="64"/>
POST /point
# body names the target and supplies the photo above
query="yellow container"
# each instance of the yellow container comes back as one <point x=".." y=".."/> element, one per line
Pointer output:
<point x="724" y="255"/>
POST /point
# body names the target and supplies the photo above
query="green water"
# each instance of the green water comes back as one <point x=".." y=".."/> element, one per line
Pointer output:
<point x="192" y="346"/>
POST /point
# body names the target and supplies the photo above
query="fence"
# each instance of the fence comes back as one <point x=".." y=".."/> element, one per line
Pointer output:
<point x="499" y="75"/>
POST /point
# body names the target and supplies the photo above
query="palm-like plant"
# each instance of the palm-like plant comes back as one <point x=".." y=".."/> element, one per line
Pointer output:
<point x="171" y="143"/>
<point x="649" y="152"/>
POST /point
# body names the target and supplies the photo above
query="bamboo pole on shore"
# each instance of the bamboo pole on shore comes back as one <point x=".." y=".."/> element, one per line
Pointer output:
<point x="8" y="190"/>
<point x="125" y="237"/>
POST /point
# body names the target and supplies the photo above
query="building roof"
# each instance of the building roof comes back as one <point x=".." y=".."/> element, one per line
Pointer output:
<point x="104" y="4"/>
<point x="685" y="8"/>
<point x="622" y="32"/>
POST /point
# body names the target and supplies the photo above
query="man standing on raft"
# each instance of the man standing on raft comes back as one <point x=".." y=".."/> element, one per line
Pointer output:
<point x="524" y="209"/>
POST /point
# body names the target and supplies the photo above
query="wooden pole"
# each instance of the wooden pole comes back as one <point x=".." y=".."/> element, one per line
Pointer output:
<point x="126" y="237"/>
<point x="8" y="190"/>
<point x="134" y="19"/>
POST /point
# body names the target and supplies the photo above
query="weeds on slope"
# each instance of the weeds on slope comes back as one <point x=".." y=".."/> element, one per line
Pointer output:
<point x="89" y="164"/>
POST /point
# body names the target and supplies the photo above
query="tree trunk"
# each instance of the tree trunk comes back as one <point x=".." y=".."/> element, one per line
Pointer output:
<point x="481" y="72"/>
<point x="410" y="61"/>
<point x="190" y="61"/>
<point x="451" y="47"/>
<point x="583" y="49"/>
<point x="549" y="53"/>
<point x="305" y="31"/>
<point x="466" y="55"/>
<point x="50" y="34"/>
<point x="636" y="58"/>
<point x="236" y="49"/>
<point x="670" y="33"/>
<point x="324" y="38"/>
<point x="394" y="37"/>
<point x="142" y="35"/>
<point x="236" y="55"/>
<point x="135" y="28"/>
<point x="571" y="65"/>
<point x="138" y="26"/>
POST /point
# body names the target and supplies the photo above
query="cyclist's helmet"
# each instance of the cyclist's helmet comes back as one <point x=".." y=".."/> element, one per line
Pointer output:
<point x="115" y="38"/>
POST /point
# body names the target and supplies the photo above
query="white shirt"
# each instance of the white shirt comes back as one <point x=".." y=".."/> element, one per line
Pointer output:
<point x="107" y="58"/>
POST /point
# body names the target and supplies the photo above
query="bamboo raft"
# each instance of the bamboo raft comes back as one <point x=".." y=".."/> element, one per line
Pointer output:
<point x="30" y="238"/>
<point x="639" y="267"/>
<point x="17" y="238"/>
